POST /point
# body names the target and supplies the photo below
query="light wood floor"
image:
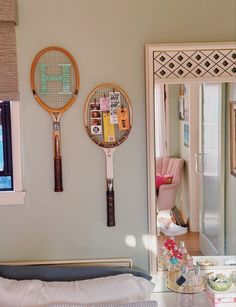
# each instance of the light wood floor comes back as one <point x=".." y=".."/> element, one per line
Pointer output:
<point x="191" y="240"/>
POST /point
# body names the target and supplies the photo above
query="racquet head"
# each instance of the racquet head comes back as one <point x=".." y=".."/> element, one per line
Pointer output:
<point x="108" y="115"/>
<point x="54" y="79"/>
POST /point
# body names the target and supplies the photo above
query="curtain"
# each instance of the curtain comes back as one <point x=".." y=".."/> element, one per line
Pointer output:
<point x="160" y="121"/>
<point x="8" y="63"/>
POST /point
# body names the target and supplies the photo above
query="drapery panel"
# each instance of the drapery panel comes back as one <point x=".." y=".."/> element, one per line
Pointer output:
<point x="8" y="59"/>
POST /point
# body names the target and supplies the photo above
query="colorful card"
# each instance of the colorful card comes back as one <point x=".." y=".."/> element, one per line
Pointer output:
<point x="123" y="119"/>
<point x="104" y="104"/>
<point x="109" y="130"/>
<point x="113" y="116"/>
<point x="114" y="98"/>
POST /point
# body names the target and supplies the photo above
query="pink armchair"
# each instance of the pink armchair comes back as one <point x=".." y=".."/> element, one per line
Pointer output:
<point x="167" y="192"/>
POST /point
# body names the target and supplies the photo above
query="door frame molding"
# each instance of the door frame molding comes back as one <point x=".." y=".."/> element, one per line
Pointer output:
<point x="151" y="52"/>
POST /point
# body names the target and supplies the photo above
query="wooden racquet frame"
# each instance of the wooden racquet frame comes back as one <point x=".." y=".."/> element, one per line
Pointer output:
<point x="56" y="114"/>
<point x="109" y="149"/>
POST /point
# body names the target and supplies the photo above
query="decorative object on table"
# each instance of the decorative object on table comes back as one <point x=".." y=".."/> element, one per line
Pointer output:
<point x="222" y="296"/>
<point x="207" y="262"/>
<point x="233" y="137"/>
<point x="55" y="85"/>
<point x="219" y="282"/>
<point x="183" y="276"/>
<point x="171" y="256"/>
<point x="184" y="252"/>
<point x="185" y="281"/>
<point x="108" y="129"/>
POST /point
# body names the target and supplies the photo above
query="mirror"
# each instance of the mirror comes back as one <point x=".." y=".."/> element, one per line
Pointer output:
<point x="191" y="190"/>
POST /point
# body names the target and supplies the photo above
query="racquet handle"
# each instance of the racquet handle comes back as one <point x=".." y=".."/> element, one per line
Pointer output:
<point x="110" y="208"/>
<point x="58" y="174"/>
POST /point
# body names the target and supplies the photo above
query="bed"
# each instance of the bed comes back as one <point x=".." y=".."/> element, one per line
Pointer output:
<point x="71" y="283"/>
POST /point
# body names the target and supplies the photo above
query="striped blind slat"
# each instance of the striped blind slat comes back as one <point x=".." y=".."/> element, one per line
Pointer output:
<point x="8" y="59"/>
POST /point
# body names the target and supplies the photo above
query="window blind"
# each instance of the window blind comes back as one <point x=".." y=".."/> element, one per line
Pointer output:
<point x="8" y="59"/>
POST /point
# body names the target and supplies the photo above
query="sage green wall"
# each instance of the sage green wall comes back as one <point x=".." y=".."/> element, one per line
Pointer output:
<point x="107" y="39"/>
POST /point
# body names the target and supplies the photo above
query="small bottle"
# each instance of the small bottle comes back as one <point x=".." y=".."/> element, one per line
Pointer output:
<point x="197" y="278"/>
<point x="184" y="252"/>
<point x="190" y="262"/>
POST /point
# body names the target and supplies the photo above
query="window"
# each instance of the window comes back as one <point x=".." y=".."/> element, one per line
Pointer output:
<point x="10" y="154"/>
<point x="10" y="147"/>
<point x="6" y="171"/>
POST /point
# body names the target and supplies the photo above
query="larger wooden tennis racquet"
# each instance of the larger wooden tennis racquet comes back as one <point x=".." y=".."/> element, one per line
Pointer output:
<point x="55" y="85"/>
<point x="108" y="120"/>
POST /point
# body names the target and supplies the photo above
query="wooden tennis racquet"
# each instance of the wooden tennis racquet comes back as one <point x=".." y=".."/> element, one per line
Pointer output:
<point x="108" y="120"/>
<point x="55" y="85"/>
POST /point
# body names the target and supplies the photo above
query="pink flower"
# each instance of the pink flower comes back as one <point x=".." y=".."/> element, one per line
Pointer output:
<point x="177" y="254"/>
<point x="170" y="245"/>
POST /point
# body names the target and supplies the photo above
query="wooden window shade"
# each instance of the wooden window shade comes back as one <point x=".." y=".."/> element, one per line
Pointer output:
<point x="8" y="62"/>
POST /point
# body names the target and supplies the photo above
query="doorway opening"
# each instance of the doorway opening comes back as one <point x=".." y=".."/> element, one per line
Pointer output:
<point x="190" y="122"/>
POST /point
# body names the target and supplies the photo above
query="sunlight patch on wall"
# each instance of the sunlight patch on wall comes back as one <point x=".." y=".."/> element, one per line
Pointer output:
<point x="130" y="240"/>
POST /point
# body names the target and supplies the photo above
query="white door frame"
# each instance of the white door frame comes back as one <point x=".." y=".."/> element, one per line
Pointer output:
<point x="155" y="70"/>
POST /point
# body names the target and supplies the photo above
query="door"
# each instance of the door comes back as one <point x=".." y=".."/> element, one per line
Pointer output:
<point x="212" y="169"/>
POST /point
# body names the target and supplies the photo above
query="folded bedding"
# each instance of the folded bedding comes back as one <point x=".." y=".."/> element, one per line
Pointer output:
<point x="123" y="288"/>
<point x="64" y="273"/>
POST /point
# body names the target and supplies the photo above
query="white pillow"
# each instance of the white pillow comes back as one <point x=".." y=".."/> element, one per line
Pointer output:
<point x="124" y="288"/>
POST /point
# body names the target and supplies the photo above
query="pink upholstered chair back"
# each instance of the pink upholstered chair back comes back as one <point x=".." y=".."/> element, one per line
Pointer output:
<point x="173" y="166"/>
<point x="167" y="193"/>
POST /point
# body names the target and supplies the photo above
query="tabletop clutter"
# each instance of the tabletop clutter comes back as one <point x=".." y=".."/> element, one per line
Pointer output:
<point x="183" y="276"/>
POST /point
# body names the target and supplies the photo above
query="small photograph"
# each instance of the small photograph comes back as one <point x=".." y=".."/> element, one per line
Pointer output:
<point x="96" y="121"/>
<point x="96" y="114"/>
<point x="94" y="105"/>
<point x="96" y="130"/>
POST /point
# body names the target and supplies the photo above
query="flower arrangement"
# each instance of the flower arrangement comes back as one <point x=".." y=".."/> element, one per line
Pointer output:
<point x="172" y="253"/>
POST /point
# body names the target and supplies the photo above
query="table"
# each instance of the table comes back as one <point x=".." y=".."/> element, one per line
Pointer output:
<point x="167" y="298"/>
<point x="171" y="299"/>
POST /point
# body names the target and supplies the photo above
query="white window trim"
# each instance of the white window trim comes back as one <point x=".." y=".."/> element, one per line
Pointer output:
<point x="17" y="196"/>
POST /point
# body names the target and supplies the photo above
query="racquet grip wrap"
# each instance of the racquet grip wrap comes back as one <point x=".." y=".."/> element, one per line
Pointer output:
<point x="110" y="209"/>
<point x="58" y="174"/>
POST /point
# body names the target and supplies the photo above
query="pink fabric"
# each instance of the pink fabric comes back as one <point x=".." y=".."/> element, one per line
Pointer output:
<point x="167" y="192"/>
<point x="163" y="179"/>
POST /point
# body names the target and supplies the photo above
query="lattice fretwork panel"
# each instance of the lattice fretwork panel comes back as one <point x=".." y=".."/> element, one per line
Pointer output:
<point x="191" y="64"/>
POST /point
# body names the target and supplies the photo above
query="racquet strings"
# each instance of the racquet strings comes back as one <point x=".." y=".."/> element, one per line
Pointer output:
<point x="95" y="97"/>
<point x="49" y="63"/>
